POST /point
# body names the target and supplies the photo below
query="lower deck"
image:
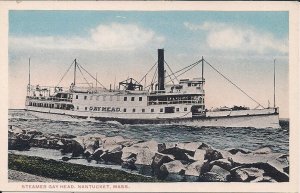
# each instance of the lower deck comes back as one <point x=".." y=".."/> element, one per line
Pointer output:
<point x="259" y="118"/>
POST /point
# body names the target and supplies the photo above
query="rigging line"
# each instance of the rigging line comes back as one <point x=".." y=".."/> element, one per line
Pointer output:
<point x="91" y="75"/>
<point x="152" y="81"/>
<point x="186" y="67"/>
<point x="154" y="77"/>
<point x="147" y="72"/>
<point x="171" y="78"/>
<point x="83" y="76"/>
<point x="65" y="73"/>
<point x="171" y="71"/>
<point x="195" y="64"/>
<point x="234" y="84"/>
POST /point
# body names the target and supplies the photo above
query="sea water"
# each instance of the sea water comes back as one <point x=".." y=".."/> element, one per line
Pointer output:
<point x="221" y="138"/>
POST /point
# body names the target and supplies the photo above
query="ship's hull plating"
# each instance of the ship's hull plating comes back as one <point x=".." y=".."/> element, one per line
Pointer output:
<point x="247" y="118"/>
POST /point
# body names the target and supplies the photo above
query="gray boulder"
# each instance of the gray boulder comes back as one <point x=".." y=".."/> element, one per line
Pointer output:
<point x="178" y="153"/>
<point x="33" y="132"/>
<point x="112" y="154"/>
<point x="269" y="170"/>
<point x="234" y="151"/>
<point x="158" y="160"/>
<point x="195" y="169"/>
<point x="223" y="163"/>
<point x="264" y="150"/>
<point x="144" y="160"/>
<point x="199" y="154"/>
<point x="212" y="154"/>
<point x="211" y="177"/>
<point x="190" y="147"/>
<point x="129" y="163"/>
<point x="222" y="172"/>
<point x="128" y="152"/>
<point x="39" y="141"/>
<point x="97" y="154"/>
<point x="152" y="145"/>
<point x="264" y="179"/>
<point x="246" y="174"/>
<point x="172" y="171"/>
<point x="108" y="141"/>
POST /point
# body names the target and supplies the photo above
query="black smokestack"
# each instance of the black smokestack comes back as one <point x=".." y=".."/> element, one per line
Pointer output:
<point x="161" y="70"/>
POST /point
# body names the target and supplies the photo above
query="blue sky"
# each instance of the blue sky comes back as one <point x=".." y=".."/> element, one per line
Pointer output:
<point x="240" y="44"/>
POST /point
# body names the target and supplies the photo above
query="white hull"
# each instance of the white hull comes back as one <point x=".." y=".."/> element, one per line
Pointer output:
<point x="265" y="118"/>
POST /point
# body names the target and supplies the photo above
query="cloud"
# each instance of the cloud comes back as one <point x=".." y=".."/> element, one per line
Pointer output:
<point x="228" y="37"/>
<point x="114" y="36"/>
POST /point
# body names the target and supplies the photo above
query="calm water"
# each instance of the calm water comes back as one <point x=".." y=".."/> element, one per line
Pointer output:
<point x="277" y="139"/>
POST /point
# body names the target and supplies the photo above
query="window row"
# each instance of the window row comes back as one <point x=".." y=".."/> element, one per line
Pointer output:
<point x="161" y="110"/>
<point x="53" y="106"/>
<point x="110" y="98"/>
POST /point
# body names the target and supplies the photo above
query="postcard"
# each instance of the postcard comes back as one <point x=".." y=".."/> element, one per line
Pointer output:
<point x="150" y="96"/>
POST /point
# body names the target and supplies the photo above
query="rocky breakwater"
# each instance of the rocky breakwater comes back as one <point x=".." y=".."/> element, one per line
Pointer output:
<point x="189" y="161"/>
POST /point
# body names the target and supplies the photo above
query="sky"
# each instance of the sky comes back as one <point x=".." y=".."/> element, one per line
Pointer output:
<point x="121" y="44"/>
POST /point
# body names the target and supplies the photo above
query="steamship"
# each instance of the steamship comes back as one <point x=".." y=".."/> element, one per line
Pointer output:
<point x="179" y="101"/>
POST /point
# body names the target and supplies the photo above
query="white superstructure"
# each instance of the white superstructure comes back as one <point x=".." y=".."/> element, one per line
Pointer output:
<point x="180" y="103"/>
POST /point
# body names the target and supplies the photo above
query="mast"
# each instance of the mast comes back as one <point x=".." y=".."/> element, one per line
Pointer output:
<point x="202" y="69"/>
<point x="29" y="77"/>
<point x="75" y="66"/>
<point x="274" y="85"/>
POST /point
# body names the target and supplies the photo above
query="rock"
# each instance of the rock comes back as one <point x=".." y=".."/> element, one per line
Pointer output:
<point x="21" y="142"/>
<point x="68" y="136"/>
<point x="39" y="142"/>
<point x="199" y="154"/>
<point x="223" y="163"/>
<point x="269" y="170"/>
<point x="108" y="141"/>
<point x="194" y="170"/>
<point x="246" y="174"/>
<point x="237" y="150"/>
<point x="281" y="161"/>
<point x="211" y="177"/>
<point x="286" y="169"/>
<point x="53" y="144"/>
<point x="113" y="148"/>
<point x="151" y="145"/>
<point x="129" y="163"/>
<point x="34" y="132"/>
<point x="67" y="146"/>
<point x="212" y="154"/>
<point x="190" y="147"/>
<point x="112" y="154"/>
<point x="77" y="148"/>
<point x="204" y="146"/>
<point x="264" y="179"/>
<point x="128" y="152"/>
<point x="178" y="153"/>
<point x="240" y="159"/>
<point x="172" y="171"/>
<point x="97" y="154"/>
<point x="264" y="150"/>
<point x="90" y="146"/>
<point x="158" y="160"/>
<point x="112" y="157"/>
<point x="222" y="172"/>
<point x="65" y="158"/>
<point x="60" y="144"/>
<point x="161" y="147"/>
<point x="15" y="130"/>
<point x="267" y="162"/>
<point x="144" y="160"/>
